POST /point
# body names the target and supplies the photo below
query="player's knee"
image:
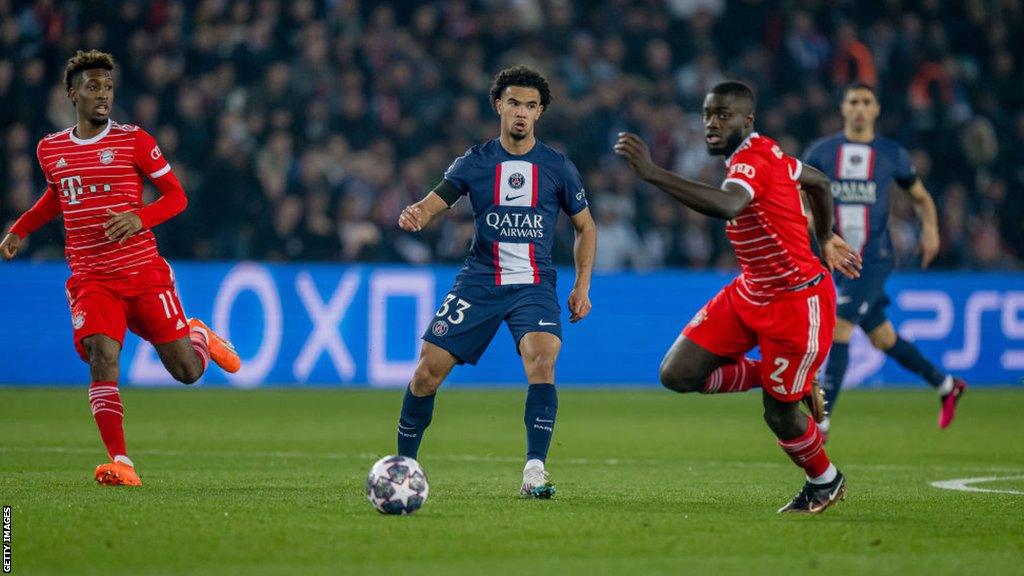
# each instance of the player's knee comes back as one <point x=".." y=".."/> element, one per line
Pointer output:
<point x="187" y="373"/>
<point x="102" y="355"/>
<point x="541" y="366"/>
<point x="785" y="423"/>
<point x="675" y="380"/>
<point x="882" y="339"/>
<point x="426" y="379"/>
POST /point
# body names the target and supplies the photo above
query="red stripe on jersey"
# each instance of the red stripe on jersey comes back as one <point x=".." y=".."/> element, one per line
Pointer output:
<point x="533" y="258"/>
<point x="533" y="204"/>
<point x="497" y="256"/>
<point x="871" y="164"/>
<point x="497" y="199"/>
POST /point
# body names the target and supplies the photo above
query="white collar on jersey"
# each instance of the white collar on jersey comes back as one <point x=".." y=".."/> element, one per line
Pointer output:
<point x="744" y="144"/>
<point x="95" y="138"/>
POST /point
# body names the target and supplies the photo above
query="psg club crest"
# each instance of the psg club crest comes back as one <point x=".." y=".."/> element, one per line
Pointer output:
<point x="78" y="320"/>
<point x="516" y="181"/>
<point x="856" y="160"/>
<point x="107" y="156"/>
<point x="440" y="328"/>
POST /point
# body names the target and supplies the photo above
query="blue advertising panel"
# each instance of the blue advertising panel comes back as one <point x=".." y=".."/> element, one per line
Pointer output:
<point x="323" y="324"/>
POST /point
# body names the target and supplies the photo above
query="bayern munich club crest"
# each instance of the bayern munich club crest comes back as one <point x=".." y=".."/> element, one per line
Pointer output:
<point x="699" y="317"/>
<point x="78" y="320"/>
<point x="440" y="328"/>
<point x="106" y="156"/>
<point x="516" y="181"/>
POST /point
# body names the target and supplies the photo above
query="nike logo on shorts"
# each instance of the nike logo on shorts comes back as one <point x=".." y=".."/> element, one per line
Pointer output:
<point x="543" y="323"/>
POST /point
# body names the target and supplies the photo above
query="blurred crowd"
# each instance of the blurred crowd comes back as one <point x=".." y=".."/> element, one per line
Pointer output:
<point x="301" y="128"/>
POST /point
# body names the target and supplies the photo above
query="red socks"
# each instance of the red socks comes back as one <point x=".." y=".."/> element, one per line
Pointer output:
<point x="200" y="345"/>
<point x="808" y="451"/>
<point x="739" y="377"/>
<point x="108" y="411"/>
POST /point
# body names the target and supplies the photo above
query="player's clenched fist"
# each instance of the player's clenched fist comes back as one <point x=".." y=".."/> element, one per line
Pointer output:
<point x="837" y="255"/>
<point x="579" y="305"/>
<point x="412" y="219"/>
<point x="121" y="225"/>
<point x="9" y="246"/>
<point x="635" y="151"/>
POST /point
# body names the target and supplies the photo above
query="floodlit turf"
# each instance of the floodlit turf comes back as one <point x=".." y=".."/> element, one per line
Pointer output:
<point x="649" y="482"/>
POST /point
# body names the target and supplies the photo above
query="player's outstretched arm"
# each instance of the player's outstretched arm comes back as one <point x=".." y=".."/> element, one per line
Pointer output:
<point x="415" y="217"/>
<point x="836" y="254"/>
<point x="726" y="202"/>
<point x="45" y="209"/>
<point x="925" y="208"/>
<point x="584" y="249"/>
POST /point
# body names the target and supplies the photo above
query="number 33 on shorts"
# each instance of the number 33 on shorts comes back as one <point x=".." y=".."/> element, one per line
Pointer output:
<point x="457" y="315"/>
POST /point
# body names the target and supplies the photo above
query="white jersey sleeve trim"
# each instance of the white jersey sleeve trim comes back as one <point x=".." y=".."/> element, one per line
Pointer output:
<point x="795" y="174"/>
<point x="746" y="186"/>
<point x="161" y="172"/>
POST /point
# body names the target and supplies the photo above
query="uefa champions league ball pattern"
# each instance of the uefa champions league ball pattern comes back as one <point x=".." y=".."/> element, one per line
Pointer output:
<point x="396" y="485"/>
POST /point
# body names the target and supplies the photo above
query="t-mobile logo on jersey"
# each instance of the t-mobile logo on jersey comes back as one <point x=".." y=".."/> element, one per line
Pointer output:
<point x="71" y="187"/>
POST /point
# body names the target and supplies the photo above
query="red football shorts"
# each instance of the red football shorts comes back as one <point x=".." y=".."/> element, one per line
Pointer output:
<point x="794" y="332"/>
<point x="145" y="302"/>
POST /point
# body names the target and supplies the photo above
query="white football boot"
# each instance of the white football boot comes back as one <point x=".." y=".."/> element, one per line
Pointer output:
<point x="535" y="481"/>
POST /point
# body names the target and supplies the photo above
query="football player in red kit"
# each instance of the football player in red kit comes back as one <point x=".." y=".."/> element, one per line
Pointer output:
<point x="118" y="281"/>
<point x="783" y="300"/>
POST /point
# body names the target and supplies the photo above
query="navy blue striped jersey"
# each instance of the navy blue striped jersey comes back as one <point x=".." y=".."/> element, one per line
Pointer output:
<point x="862" y="177"/>
<point x="516" y="201"/>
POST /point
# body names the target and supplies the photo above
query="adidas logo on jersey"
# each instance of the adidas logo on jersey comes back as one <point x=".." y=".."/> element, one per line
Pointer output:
<point x="61" y="163"/>
<point x="179" y="325"/>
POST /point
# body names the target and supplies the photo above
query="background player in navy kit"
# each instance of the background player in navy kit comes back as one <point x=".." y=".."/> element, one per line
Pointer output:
<point x="517" y="186"/>
<point x="863" y="167"/>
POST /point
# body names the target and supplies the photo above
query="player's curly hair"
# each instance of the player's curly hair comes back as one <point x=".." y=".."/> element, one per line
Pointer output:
<point x="85" y="61"/>
<point x="521" y="76"/>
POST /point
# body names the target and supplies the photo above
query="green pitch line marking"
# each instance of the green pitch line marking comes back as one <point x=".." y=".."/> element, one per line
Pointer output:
<point x="296" y="454"/>
<point x="965" y="484"/>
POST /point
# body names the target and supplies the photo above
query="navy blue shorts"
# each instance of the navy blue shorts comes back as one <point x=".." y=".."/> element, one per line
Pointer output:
<point x="469" y="317"/>
<point x="862" y="301"/>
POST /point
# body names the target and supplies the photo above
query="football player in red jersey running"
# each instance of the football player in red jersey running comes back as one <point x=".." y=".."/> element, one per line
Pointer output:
<point x="118" y="280"/>
<point x="783" y="300"/>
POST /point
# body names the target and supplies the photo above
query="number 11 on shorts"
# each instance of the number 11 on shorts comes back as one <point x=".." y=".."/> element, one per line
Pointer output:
<point x="167" y="299"/>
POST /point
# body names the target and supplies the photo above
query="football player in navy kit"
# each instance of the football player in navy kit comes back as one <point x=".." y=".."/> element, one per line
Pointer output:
<point x="517" y="186"/>
<point x="863" y="167"/>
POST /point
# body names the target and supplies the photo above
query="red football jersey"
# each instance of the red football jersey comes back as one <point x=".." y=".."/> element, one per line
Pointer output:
<point x="770" y="235"/>
<point x="92" y="176"/>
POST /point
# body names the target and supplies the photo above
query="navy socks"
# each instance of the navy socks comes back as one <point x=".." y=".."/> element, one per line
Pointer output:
<point x="541" y="407"/>
<point x="417" y="411"/>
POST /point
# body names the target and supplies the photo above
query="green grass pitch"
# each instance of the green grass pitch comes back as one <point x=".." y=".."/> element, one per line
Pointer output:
<point x="649" y="482"/>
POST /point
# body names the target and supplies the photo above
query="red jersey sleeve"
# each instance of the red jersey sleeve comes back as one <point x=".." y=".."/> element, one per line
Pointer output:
<point x="751" y="170"/>
<point x="150" y="161"/>
<point x="148" y="157"/>
<point x="45" y="209"/>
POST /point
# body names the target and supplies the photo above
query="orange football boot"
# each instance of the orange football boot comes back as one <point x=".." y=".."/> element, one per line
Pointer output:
<point x="221" y="351"/>
<point x="117" y="474"/>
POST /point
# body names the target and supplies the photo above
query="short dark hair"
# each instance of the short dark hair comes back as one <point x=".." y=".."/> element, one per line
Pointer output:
<point x="737" y="90"/>
<point x="86" y="61"/>
<point x="859" y="86"/>
<point x="524" y="77"/>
